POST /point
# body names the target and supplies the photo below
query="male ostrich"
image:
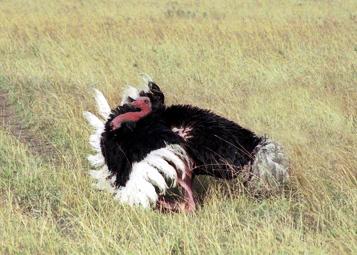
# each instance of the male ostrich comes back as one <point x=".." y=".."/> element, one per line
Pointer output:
<point x="144" y="145"/>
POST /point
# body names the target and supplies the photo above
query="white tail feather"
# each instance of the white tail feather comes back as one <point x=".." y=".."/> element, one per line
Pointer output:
<point x="104" y="181"/>
<point x="96" y="160"/>
<point x="93" y="120"/>
<point x="270" y="168"/>
<point x="102" y="104"/>
<point x="94" y="140"/>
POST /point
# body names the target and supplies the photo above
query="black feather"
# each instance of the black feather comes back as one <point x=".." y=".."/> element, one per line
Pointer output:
<point x="217" y="146"/>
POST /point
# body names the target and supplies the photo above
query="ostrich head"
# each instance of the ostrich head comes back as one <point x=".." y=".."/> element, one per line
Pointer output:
<point x="142" y="103"/>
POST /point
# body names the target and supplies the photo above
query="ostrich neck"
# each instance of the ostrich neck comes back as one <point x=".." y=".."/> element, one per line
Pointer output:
<point x="138" y="115"/>
<point x="129" y="116"/>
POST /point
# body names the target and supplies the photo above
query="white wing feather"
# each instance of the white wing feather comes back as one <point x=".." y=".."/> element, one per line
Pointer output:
<point x="102" y="104"/>
<point x="93" y="120"/>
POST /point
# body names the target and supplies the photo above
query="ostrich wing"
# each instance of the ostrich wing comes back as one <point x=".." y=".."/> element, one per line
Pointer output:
<point x="134" y="164"/>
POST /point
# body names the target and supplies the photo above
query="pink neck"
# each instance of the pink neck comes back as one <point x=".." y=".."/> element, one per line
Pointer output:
<point x="130" y="116"/>
<point x="139" y="115"/>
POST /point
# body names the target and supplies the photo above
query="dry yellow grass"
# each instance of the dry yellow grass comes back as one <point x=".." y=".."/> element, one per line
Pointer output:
<point x="282" y="68"/>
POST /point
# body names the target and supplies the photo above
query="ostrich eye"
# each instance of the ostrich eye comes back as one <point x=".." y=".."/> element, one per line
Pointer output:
<point x="146" y="101"/>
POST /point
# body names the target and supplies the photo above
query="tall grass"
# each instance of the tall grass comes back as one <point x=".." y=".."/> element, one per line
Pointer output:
<point x="282" y="68"/>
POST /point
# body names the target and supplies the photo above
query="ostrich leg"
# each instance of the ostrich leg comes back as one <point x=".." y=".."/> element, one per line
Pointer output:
<point x="188" y="205"/>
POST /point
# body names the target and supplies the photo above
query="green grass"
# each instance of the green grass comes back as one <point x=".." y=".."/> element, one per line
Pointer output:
<point x="282" y="68"/>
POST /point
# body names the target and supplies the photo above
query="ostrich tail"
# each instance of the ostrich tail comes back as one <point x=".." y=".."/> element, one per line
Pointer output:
<point x="270" y="167"/>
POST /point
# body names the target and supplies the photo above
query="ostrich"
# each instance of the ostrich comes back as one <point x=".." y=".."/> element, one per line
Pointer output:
<point x="143" y="145"/>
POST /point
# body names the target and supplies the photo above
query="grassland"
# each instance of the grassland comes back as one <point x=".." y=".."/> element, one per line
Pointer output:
<point x="282" y="68"/>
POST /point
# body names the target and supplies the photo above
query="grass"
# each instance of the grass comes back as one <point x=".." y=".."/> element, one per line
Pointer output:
<point x="282" y="68"/>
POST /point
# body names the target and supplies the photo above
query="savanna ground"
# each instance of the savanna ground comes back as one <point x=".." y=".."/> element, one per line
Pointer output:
<point x="282" y="68"/>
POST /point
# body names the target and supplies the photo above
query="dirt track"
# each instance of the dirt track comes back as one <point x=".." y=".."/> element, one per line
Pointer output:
<point x="10" y="121"/>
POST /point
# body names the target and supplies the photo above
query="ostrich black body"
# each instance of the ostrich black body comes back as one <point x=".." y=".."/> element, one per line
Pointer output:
<point x="216" y="146"/>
